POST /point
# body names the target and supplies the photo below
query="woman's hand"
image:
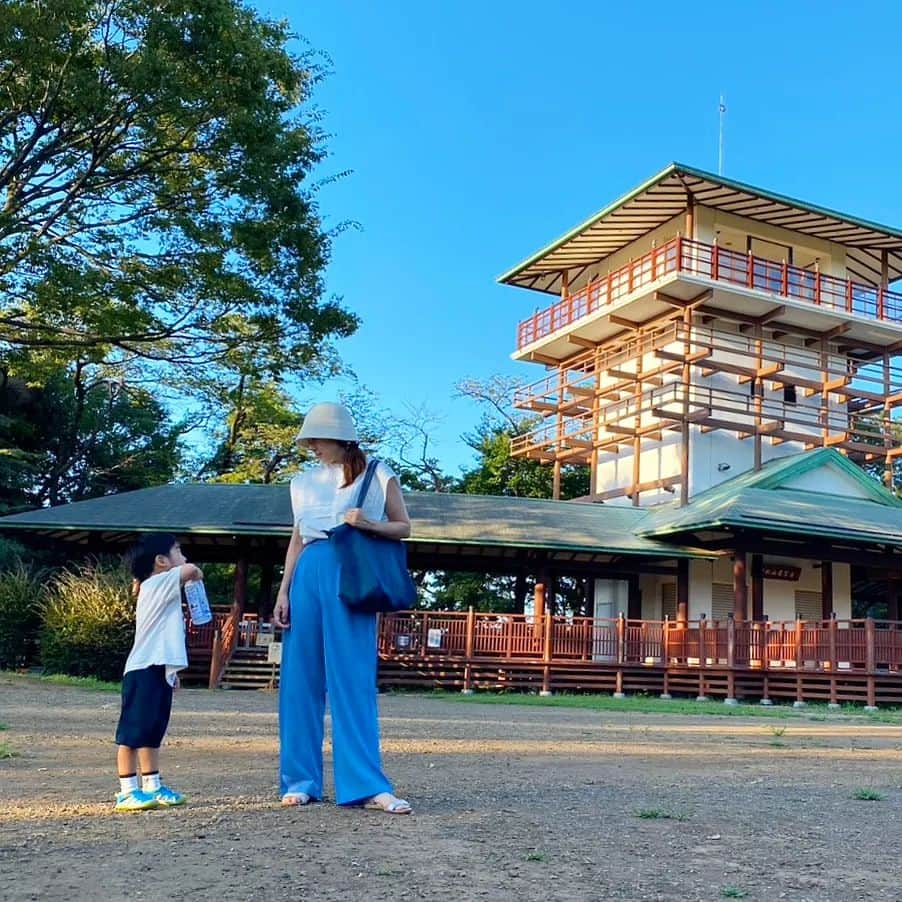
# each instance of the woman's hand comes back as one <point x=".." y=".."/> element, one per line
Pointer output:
<point x="354" y="517"/>
<point x="281" y="614"/>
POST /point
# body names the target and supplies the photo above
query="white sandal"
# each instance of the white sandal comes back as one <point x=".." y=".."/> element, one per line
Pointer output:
<point x="388" y="803"/>
<point x="295" y="799"/>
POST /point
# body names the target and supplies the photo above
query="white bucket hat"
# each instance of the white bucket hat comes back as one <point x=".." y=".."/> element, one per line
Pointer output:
<point x="328" y="420"/>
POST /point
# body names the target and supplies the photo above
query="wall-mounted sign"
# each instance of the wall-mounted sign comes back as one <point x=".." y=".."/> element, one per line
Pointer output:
<point x="781" y="571"/>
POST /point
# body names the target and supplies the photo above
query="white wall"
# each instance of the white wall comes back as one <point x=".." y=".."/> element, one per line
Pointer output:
<point x="779" y="595"/>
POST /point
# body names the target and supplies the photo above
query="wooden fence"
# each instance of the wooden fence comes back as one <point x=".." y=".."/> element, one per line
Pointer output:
<point x="832" y="660"/>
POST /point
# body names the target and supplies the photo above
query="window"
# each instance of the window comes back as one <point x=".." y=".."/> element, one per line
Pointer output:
<point x="789" y="394"/>
<point x="808" y="604"/>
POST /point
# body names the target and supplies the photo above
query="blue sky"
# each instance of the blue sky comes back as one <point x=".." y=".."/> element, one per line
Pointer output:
<point x="478" y="132"/>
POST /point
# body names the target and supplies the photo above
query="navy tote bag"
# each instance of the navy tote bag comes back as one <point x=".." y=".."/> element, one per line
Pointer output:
<point x="372" y="570"/>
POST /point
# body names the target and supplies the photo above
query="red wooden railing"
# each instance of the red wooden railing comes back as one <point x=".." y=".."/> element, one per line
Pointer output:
<point x="710" y="261"/>
<point x="829" y="646"/>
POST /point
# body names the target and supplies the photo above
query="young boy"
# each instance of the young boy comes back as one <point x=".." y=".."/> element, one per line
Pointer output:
<point x="159" y="566"/>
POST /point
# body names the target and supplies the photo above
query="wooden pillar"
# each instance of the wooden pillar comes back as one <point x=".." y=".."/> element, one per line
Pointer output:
<point x="239" y="586"/>
<point x="690" y="218"/>
<point x="682" y="590"/>
<point x="892" y="599"/>
<point x="887" y="423"/>
<point x="758" y="399"/>
<point x="826" y="590"/>
<point x="589" y="596"/>
<point x="740" y="590"/>
<point x="265" y="601"/>
<point x="520" y="592"/>
<point x="551" y="593"/>
<point x="685" y="431"/>
<point x="634" y="599"/>
<point x="556" y="469"/>
<point x="538" y="610"/>
<point x="757" y="587"/>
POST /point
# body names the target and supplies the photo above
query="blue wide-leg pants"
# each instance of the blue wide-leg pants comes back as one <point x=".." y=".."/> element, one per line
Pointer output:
<point x="328" y="647"/>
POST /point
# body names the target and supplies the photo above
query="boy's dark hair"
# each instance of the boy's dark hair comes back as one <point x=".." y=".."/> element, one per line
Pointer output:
<point x="143" y="554"/>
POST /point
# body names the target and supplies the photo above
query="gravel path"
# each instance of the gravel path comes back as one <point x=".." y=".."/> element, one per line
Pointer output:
<point x="511" y="802"/>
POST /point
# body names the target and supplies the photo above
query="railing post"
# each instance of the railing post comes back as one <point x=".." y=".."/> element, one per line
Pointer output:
<point x="871" y="663"/>
<point x="621" y="655"/>
<point x="546" y="655"/>
<point x="468" y="652"/>
<point x="750" y="270"/>
<point x="848" y="295"/>
<point x="800" y="693"/>
<point x="702" y="658"/>
<point x="215" y="660"/>
<point x="731" y="661"/>
<point x="679" y="253"/>
<point x="471" y="632"/>
<point x="715" y="261"/>
<point x="831" y="635"/>
<point x="665" y="656"/>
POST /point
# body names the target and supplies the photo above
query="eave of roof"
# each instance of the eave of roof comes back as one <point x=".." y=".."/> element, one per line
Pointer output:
<point x="542" y="272"/>
<point x="440" y="519"/>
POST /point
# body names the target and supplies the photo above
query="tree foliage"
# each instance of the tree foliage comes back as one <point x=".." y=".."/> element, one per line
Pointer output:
<point x="73" y="432"/>
<point x="154" y="176"/>
<point x="258" y="441"/>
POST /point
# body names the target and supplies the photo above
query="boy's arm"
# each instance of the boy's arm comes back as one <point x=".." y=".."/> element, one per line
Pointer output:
<point x="189" y="572"/>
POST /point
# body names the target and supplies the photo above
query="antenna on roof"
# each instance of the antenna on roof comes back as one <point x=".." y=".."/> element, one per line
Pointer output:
<point x="722" y="109"/>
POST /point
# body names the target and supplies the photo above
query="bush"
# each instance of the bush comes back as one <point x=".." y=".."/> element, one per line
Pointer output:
<point x="89" y="622"/>
<point x="20" y="616"/>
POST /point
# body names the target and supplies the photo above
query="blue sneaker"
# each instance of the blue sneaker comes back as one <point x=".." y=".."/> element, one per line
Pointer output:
<point x="136" y="800"/>
<point x="167" y="798"/>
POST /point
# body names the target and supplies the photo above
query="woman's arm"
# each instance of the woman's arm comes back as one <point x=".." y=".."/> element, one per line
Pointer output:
<point x="397" y="526"/>
<point x="280" y="614"/>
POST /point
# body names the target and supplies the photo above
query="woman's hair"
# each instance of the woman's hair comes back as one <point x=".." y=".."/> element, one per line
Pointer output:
<point x="354" y="462"/>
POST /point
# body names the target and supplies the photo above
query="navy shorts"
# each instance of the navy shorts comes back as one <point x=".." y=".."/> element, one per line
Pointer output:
<point x="146" y="705"/>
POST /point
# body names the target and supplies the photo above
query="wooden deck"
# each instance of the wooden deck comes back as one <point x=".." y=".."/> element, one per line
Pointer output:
<point x="832" y="661"/>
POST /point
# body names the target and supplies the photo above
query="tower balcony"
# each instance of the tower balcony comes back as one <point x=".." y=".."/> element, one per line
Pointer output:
<point x="680" y="270"/>
<point x="574" y="437"/>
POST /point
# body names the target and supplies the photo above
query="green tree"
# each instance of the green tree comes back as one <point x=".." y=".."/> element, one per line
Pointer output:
<point x="73" y="432"/>
<point x="155" y="165"/>
<point x="497" y="472"/>
<point x="259" y="440"/>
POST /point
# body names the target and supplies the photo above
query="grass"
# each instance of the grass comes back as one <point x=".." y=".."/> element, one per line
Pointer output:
<point x="732" y="892"/>
<point x="656" y="814"/>
<point x="535" y="856"/>
<point x="643" y="704"/>
<point x="6" y="751"/>
<point x="90" y="683"/>
<point x="867" y="795"/>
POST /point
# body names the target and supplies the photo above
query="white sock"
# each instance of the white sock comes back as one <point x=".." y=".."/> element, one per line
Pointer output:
<point x="129" y="783"/>
<point x="150" y="782"/>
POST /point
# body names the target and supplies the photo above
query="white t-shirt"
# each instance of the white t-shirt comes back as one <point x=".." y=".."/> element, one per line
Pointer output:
<point x="318" y="502"/>
<point x="160" y="625"/>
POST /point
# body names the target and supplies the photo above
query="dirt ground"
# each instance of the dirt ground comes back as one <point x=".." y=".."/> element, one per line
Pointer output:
<point x="510" y="802"/>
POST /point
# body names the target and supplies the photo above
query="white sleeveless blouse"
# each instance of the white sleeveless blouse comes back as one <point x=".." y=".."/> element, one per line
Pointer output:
<point x="318" y="502"/>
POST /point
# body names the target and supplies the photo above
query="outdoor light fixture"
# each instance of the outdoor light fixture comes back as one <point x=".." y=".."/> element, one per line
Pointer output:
<point x="723" y="467"/>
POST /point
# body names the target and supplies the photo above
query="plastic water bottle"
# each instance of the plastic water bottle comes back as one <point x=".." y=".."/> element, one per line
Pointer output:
<point x="198" y="606"/>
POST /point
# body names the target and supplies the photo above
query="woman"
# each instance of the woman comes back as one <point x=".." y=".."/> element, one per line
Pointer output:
<point x="325" y="643"/>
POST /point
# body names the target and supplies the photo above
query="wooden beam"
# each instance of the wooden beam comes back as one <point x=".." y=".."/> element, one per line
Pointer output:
<point x="536" y="357"/>
<point x="575" y="339"/>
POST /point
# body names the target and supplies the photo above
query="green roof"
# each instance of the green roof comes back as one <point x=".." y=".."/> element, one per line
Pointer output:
<point x="764" y="500"/>
<point x="437" y="518"/>
<point x="665" y="195"/>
